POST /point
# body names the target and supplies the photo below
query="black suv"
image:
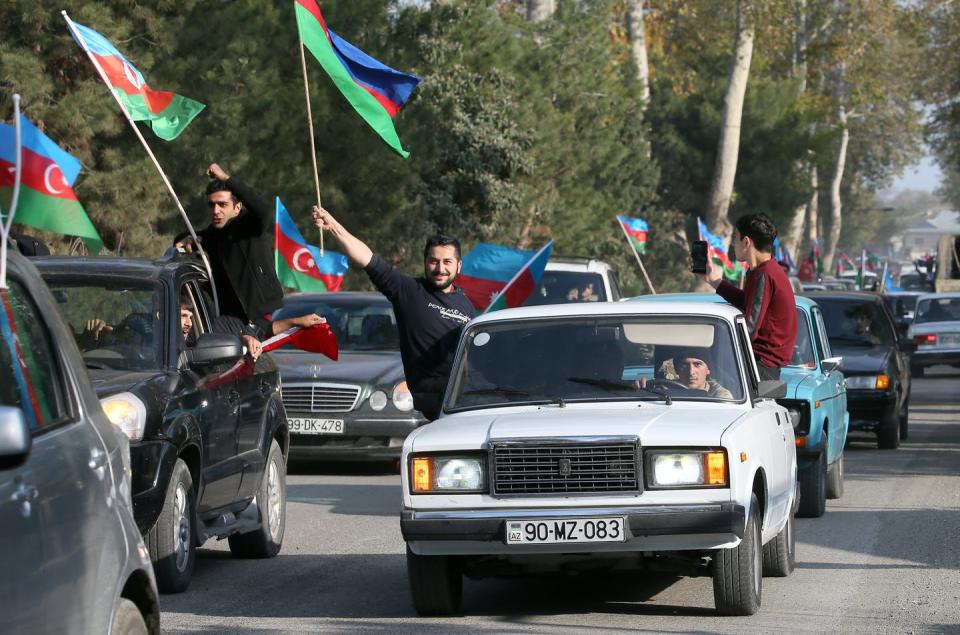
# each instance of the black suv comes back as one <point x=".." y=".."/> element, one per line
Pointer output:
<point x="207" y="428"/>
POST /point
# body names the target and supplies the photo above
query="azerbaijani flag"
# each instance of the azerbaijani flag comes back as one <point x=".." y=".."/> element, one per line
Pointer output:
<point x="524" y="283"/>
<point x="47" y="200"/>
<point x="168" y="113"/>
<point x="299" y="265"/>
<point x="718" y="253"/>
<point x="487" y="269"/>
<point x="376" y="91"/>
<point x="636" y="230"/>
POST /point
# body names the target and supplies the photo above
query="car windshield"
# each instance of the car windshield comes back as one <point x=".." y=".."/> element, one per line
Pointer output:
<point x="359" y="325"/>
<point x="561" y="287"/>
<point x="803" y="345"/>
<point x="856" y="323"/>
<point x="595" y="359"/>
<point x="938" y="310"/>
<point x="116" y="323"/>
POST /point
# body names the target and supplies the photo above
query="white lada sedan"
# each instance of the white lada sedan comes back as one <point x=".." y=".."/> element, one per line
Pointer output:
<point x="578" y="437"/>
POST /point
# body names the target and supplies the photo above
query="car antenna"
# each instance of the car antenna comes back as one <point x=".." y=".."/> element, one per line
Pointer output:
<point x="5" y="226"/>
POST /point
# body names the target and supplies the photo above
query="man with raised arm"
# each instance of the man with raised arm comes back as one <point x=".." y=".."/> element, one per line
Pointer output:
<point x="431" y="311"/>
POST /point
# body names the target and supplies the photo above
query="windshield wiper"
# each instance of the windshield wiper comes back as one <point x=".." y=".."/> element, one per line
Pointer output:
<point x="506" y="391"/>
<point x="615" y="385"/>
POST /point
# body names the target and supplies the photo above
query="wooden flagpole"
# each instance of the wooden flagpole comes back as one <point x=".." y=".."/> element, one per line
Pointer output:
<point x="313" y="148"/>
<point x="18" y="168"/>
<point x="166" y="181"/>
<point x="637" y="255"/>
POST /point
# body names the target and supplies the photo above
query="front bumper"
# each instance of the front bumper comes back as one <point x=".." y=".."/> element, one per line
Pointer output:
<point x="364" y="439"/>
<point x="867" y="407"/>
<point x="655" y="527"/>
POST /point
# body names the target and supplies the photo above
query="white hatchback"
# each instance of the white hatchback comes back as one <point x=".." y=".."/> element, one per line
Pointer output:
<point x="602" y="435"/>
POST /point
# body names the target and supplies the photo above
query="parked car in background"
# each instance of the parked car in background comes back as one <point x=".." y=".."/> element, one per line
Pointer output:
<point x="876" y="362"/>
<point x="936" y="331"/>
<point x="816" y="400"/>
<point x="571" y="279"/>
<point x="570" y="440"/>
<point x="814" y="286"/>
<point x="902" y="305"/>
<point x="207" y="429"/>
<point x="73" y="560"/>
<point x="358" y="408"/>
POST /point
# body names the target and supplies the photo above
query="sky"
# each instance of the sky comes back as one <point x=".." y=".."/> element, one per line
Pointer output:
<point x="924" y="176"/>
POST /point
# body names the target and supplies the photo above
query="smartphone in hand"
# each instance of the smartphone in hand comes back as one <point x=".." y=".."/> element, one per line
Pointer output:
<point x="698" y="256"/>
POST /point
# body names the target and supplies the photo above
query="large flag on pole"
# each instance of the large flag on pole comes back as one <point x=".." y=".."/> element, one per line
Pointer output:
<point x="717" y="252"/>
<point x="487" y="269"/>
<point x="636" y="230"/>
<point x="47" y="200"/>
<point x="376" y="91"/>
<point x="299" y="265"/>
<point x="524" y="283"/>
<point x="167" y="113"/>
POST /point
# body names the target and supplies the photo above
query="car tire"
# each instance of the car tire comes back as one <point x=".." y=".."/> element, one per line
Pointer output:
<point x="127" y="619"/>
<point x="779" y="555"/>
<point x="738" y="572"/>
<point x="436" y="584"/>
<point x="888" y="432"/>
<point x="271" y="500"/>
<point x="835" y="479"/>
<point x="172" y="540"/>
<point x="813" y="488"/>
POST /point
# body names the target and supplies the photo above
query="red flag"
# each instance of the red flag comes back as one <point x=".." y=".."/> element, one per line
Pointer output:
<point x="313" y="339"/>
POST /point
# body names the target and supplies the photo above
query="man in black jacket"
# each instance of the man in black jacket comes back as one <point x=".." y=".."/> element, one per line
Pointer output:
<point x="239" y="243"/>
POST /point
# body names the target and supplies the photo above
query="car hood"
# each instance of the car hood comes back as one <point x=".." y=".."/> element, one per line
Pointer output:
<point x="110" y="382"/>
<point x="794" y="377"/>
<point x="861" y="360"/>
<point x="367" y="367"/>
<point x="683" y="423"/>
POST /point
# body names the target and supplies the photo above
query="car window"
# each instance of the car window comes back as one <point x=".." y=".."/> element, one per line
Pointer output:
<point x="359" y="325"/>
<point x="194" y="298"/>
<point x="753" y="374"/>
<point x="823" y="342"/>
<point x="803" y="346"/>
<point x="561" y="287"/>
<point x="856" y="322"/>
<point x="938" y="310"/>
<point x="116" y="322"/>
<point x="595" y="359"/>
<point x="30" y="377"/>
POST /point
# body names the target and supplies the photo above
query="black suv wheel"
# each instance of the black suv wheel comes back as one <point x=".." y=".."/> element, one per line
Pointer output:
<point x="172" y="541"/>
<point x="271" y="500"/>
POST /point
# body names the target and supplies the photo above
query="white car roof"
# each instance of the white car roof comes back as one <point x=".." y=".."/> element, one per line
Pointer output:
<point x="942" y="294"/>
<point x="714" y="309"/>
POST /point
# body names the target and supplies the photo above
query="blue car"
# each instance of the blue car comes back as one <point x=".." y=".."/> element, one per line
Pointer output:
<point x="817" y="401"/>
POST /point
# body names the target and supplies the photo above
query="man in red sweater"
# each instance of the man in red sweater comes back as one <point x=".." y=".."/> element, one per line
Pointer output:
<point x="766" y="299"/>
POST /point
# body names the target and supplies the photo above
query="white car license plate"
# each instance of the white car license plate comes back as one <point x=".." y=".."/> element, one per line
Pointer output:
<point x="950" y="339"/>
<point x="540" y="532"/>
<point x="299" y="425"/>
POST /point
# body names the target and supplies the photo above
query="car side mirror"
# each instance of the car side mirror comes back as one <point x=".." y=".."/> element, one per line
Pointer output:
<point x="214" y="348"/>
<point x="831" y="364"/>
<point x="772" y="389"/>
<point x="907" y="346"/>
<point x="15" y="438"/>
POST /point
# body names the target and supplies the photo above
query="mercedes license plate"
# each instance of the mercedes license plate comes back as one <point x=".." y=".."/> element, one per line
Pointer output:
<point x="539" y="532"/>
<point x="302" y="425"/>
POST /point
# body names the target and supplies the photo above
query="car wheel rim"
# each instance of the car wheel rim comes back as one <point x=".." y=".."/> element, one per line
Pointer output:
<point x="181" y="528"/>
<point x="274" y="500"/>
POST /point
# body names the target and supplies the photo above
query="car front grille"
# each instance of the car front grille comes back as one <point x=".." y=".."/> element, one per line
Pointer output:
<point x="319" y="398"/>
<point x="566" y="468"/>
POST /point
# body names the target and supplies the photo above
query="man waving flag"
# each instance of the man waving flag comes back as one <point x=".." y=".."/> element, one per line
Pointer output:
<point x="167" y="113"/>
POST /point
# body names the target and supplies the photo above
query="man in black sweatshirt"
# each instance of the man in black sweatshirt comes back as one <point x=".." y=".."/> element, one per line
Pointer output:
<point x="431" y="311"/>
<point x="239" y="243"/>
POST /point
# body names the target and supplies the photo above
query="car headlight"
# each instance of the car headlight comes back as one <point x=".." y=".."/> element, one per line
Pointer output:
<point x="700" y="468"/>
<point x="127" y="412"/>
<point x="870" y="382"/>
<point x="439" y="474"/>
<point x="378" y="400"/>
<point x="402" y="397"/>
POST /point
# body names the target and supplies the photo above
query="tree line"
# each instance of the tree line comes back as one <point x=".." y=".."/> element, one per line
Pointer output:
<point x="536" y="119"/>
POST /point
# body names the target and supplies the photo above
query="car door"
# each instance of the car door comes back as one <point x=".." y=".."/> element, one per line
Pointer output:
<point x="65" y="488"/>
<point x="255" y="390"/>
<point x="837" y="403"/>
<point x="214" y="396"/>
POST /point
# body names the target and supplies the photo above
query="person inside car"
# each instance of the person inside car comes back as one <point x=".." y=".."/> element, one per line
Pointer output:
<point x="693" y="370"/>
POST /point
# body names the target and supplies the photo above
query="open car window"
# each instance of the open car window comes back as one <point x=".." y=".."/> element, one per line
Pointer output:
<point x="595" y="359"/>
<point x="116" y="323"/>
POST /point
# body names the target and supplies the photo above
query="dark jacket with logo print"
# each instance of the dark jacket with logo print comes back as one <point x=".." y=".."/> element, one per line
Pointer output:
<point x="429" y="324"/>
<point x="241" y="256"/>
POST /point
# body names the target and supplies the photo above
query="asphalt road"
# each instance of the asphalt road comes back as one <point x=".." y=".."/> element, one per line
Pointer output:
<point x="884" y="558"/>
